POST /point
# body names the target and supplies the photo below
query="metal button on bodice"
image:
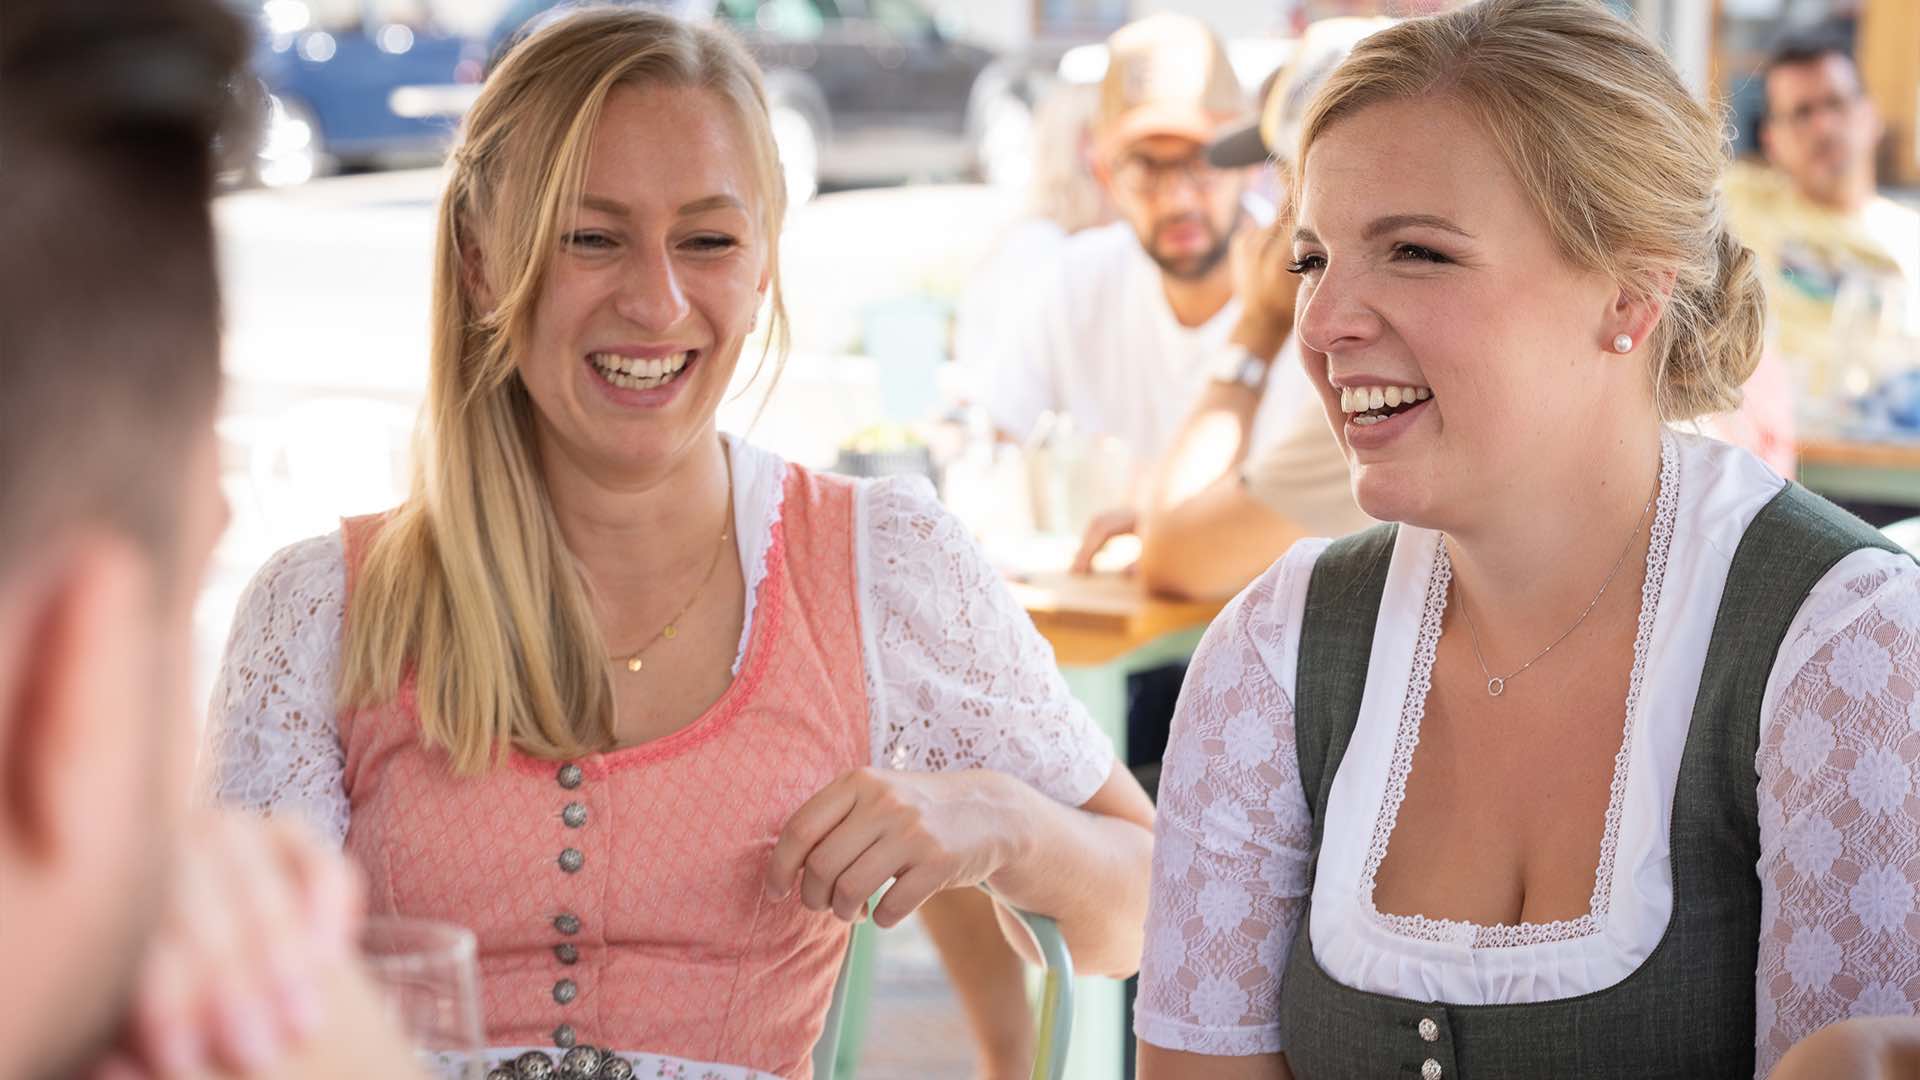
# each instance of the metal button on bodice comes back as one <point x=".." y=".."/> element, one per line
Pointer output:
<point x="566" y="953"/>
<point x="575" y="815"/>
<point x="567" y="924"/>
<point x="570" y="776"/>
<point x="581" y="1061"/>
<point x="616" y="1068"/>
<point x="1430" y="1070"/>
<point x="571" y="860"/>
<point x="565" y="991"/>
<point x="563" y="1037"/>
<point x="534" y="1065"/>
<point x="1429" y="1030"/>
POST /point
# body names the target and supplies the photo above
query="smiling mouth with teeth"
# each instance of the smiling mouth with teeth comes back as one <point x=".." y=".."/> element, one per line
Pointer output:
<point x="632" y="373"/>
<point x="1367" y="405"/>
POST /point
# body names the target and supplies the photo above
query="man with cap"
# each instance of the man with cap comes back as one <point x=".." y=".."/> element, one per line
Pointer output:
<point x="1221" y="505"/>
<point x="1124" y="332"/>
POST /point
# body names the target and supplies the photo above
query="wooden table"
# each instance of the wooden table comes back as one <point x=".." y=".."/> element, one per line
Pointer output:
<point x="1853" y="471"/>
<point x="1103" y="628"/>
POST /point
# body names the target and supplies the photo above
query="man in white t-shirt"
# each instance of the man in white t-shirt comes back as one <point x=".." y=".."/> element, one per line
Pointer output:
<point x="1237" y="488"/>
<point x="1124" y="334"/>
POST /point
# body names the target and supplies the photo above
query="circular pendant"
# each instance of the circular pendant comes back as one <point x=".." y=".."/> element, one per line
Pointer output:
<point x="1495" y="685"/>
<point x="670" y="632"/>
<point x="634" y="664"/>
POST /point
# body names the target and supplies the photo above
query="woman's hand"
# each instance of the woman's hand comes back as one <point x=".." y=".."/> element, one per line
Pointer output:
<point x="1869" y="1048"/>
<point x="927" y="831"/>
<point x="1259" y="258"/>
<point x="258" y="925"/>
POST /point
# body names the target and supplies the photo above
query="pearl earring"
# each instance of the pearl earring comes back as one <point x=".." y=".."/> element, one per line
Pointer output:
<point x="1622" y="344"/>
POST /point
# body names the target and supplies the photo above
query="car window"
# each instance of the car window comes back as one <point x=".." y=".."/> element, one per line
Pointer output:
<point x="789" y="20"/>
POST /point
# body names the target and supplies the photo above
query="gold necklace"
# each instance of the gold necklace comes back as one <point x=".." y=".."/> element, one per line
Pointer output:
<point x="672" y="629"/>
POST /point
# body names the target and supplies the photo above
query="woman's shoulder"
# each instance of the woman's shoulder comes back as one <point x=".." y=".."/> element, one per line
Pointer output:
<point x="304" y="566"/>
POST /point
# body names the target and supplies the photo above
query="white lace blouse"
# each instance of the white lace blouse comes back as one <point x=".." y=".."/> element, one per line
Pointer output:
<point x="957" y="677"/>
<point x="1839" y="816"/>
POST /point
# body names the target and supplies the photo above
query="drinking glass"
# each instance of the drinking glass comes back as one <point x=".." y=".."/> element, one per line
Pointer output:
<point x="428" y="975"/>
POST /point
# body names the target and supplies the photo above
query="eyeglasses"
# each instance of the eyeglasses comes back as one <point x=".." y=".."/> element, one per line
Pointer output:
<point x="1144" y="177"/>
<point x="1807" y="112"/>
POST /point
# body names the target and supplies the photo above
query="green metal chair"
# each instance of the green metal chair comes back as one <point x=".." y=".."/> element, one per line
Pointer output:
<point x="846" y="1019"/>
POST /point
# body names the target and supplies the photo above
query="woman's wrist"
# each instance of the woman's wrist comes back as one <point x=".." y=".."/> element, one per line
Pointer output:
<point x="1261" y="336"/>
<point x="1013" y="814"/>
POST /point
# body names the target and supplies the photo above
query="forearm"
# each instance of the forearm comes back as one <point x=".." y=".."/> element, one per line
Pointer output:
<point x="1213" y="544"/>
<point x="1158" y="1063"/>
<point x="1211" y="444"/>
<point x="1086" y="869"/>
<point x="1218" y="431"/>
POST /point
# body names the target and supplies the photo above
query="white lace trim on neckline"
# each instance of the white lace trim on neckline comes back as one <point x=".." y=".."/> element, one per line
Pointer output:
<point x="1407" y="739"/>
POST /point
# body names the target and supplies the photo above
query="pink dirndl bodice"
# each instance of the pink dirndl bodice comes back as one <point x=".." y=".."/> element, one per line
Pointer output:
<point x="675" y="948"/>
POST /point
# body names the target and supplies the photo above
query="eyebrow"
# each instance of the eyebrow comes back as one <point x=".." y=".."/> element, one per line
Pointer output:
<point x="1389" y="223"/>
<point x="697" y="206"/>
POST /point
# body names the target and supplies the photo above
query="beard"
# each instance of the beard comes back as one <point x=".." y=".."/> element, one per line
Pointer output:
<point x="1198" y="265"/>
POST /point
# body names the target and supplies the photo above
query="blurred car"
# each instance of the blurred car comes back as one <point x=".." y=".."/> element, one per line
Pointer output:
<point x="859" y="90"/>
<point x="355" y="83"/>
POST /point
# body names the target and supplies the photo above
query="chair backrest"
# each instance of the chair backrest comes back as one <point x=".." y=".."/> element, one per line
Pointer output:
<point x="1054" y="1030"/>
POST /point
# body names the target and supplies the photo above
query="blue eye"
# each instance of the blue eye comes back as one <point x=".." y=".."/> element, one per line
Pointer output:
<point x="713" y="242"/>
<point x="591" y="241"/>
<point x="1306" y="264"/>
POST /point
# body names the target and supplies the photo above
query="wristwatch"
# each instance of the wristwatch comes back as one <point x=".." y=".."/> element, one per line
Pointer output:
<point x="1243" y="368"/>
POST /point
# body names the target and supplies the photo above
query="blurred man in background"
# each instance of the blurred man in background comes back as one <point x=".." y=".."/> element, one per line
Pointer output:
<point x="124" y="954"/>
<point x="1216" y="512"/>
<point x="1124" y="334"/>
<point x="1826" y="238"/>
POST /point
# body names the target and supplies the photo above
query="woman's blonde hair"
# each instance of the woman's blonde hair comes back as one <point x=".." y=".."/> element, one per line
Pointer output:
<point x="1621" y="162"/>
<point x="469" y="585"/>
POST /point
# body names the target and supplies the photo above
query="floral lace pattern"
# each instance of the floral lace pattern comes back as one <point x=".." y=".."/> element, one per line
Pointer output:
<point x="1232" y="843"/>
<point x="1407" y="738"/>
<point x="1840" y="819"/>
<point x="962" y="678"/>
<point x="274" y="738"/>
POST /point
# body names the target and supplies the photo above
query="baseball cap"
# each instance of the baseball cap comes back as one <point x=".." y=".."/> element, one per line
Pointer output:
<point x="1275" y="130"/>
<point x="1167" y="74"/>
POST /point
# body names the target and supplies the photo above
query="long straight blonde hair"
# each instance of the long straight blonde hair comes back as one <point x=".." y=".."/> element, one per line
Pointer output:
<point x="469" y="585"/>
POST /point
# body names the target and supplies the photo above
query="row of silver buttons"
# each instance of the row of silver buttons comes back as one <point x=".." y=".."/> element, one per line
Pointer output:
<point x="574" y="816"/>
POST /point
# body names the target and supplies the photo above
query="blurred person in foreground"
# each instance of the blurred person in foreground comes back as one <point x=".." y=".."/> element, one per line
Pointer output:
<point x="1600" y="760"/>
<point x="1814" y="215"/>
<point x="1214" y="514"/>
<point x="139" y="940"/>
<point x="1132" y="320"/>
<point x="700" y="704"/>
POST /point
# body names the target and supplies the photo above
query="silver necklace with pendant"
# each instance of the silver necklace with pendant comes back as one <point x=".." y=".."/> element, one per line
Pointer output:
<point x="1497" y="684"/>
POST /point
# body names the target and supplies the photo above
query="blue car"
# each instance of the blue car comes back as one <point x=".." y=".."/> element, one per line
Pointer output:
<point x="354" y="84"/>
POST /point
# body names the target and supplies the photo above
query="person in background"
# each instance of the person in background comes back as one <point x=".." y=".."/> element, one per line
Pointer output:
<point x="1137" y="316"/>
<point x="1815" y="217"/>
<point x="141" y="939"/>
<point x="703" y="703"/>
<point x="1214" y="514"/>
<point x="1063" y="198"/>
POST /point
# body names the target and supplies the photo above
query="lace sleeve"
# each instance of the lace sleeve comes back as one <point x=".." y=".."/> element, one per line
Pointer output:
<point x="1231" y="846"/>
<point x="1839" y="819"/>
<point x="273" y="736"/>
<point x="957" y="676"/>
